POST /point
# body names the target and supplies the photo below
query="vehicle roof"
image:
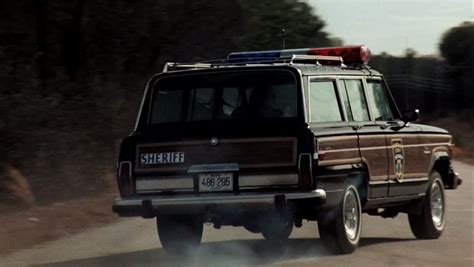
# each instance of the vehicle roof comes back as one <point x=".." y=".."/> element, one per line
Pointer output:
<point x="304" y="69"/>
<point x="307" y="69"/>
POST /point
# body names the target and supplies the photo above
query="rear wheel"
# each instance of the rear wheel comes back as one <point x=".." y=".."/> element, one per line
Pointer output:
<point x="179" y="234"/>
<point x="340" y="227"/>
<point x="429" y="224"/>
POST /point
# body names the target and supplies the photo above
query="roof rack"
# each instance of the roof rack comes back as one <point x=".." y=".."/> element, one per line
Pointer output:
<point x="328" y="60"/>
<point x="183" y="66"/>
<point x="355" y="56"/>
<point x="291" y="59"/>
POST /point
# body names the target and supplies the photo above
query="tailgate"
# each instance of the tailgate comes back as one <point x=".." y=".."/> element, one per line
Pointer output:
<point x="261" y="162"/>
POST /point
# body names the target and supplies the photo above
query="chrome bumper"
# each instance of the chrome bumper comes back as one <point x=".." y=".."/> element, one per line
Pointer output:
<point x="149" y="206"/>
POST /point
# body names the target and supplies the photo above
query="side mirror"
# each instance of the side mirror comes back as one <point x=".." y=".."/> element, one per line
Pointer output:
<point x="411" y="115"/>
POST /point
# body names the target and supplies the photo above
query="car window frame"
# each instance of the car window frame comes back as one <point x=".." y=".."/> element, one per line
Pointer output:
<point x="340" y="80"/>
<point x="391" y="101"/>
<point x="342" y="112"/>
<point x="147" y="101"/>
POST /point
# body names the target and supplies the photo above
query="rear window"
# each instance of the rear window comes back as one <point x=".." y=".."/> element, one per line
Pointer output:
<point x="243" y="95"/>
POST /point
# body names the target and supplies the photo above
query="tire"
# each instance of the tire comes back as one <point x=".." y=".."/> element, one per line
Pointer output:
<point x="179" y="234"/>
<point x="335" y="236"/>
<point x="429" y="224"/>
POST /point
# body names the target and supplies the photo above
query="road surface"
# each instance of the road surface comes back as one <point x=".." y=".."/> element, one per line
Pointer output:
<point x="385" y="242"/>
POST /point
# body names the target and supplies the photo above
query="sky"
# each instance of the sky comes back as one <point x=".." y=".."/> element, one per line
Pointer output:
<point x="393" y="25"/>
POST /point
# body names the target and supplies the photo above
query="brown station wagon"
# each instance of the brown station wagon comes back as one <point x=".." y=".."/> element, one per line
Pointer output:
<point x="267" y="139"/>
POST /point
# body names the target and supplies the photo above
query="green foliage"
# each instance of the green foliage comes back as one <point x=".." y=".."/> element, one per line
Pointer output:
<point x="457" y="45"/>
<point x="265" y="20"/>
<point x="435" y="85"/>
<point x="416" y="82"/>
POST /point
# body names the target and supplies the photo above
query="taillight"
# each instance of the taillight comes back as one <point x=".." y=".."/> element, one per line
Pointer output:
<point x="305" y="168"/>
<point x="124" y="178"/>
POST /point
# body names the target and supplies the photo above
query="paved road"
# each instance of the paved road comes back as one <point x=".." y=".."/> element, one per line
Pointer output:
<point x="385" y="242"/>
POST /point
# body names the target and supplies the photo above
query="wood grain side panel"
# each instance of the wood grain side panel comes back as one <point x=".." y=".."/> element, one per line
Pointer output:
<point x="373" y="150"/>
<point x="431" y="144"/>
<point x="434" y="138"/>
<point x="338" y="150"/>
<point x="412" y="164"/>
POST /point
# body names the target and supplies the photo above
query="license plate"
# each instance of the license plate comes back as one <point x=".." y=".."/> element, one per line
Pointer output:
<point x="212" y="182"/>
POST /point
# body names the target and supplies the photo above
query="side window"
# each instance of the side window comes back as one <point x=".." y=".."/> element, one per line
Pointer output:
<point x="378" y="101"/>
<point x="354" y="100"/>
<point x="324" y="106"/>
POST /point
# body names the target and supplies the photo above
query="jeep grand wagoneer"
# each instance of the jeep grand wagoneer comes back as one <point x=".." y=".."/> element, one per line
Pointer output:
<point x="267" y="139"/>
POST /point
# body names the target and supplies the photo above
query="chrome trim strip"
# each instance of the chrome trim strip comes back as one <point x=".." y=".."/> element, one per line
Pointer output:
<point x="269" y="186"/>
<point x="409" y="180"/>
<point x="164" y="183"/>
<point x="380" y="147"/>
<point x="160" y="191"/>
<point x="427" y="144"/>
<point x="378" y="182"/>
<point x="411" y="176"/>
<point x="226" y="167"/>
<point x="265" y="180"/>
<point x="406" y="180"/>
<point x="167" y="201"/>
<point x="336" y="138"/>
<point x="339" y="167"/>
<point x="339" y="161"/>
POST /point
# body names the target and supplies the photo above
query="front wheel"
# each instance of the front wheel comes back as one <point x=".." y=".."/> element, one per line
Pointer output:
<point x="429" y="224"/>
<point x="179" y="234"/>
<point x="339" y="228"/>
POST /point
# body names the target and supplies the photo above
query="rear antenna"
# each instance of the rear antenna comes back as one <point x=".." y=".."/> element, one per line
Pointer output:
<point x="283" y="36"/>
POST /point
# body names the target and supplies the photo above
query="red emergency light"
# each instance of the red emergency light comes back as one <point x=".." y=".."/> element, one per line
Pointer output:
<point x="358" y="54"/>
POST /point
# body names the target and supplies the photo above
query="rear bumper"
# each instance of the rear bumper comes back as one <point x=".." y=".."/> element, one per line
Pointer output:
<point x="148" y="207"/>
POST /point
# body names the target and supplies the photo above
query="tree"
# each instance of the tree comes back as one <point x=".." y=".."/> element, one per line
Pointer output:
<point x="73" y="72"/>
<point x="265" y="19"/>
<point x="457" y="47"/>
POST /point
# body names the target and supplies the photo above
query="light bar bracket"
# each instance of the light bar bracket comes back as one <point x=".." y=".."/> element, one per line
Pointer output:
<point x="315" y="58"/>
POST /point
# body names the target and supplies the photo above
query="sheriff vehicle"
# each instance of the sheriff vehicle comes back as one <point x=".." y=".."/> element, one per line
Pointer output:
<point x="267" y="139"/>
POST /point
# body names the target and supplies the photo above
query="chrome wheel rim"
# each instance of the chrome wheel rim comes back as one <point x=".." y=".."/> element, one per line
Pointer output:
<point x="351" y="215"/>
<point x="437" y="205"/>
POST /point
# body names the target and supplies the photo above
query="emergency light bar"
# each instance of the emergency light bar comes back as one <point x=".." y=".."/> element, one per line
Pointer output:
<point x="357" y="54"/>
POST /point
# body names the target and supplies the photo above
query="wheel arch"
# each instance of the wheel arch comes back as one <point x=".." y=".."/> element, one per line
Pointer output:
<point x="335" y="179"/>
<point x="360" y="178"/>
<point x="440" y="162"/>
